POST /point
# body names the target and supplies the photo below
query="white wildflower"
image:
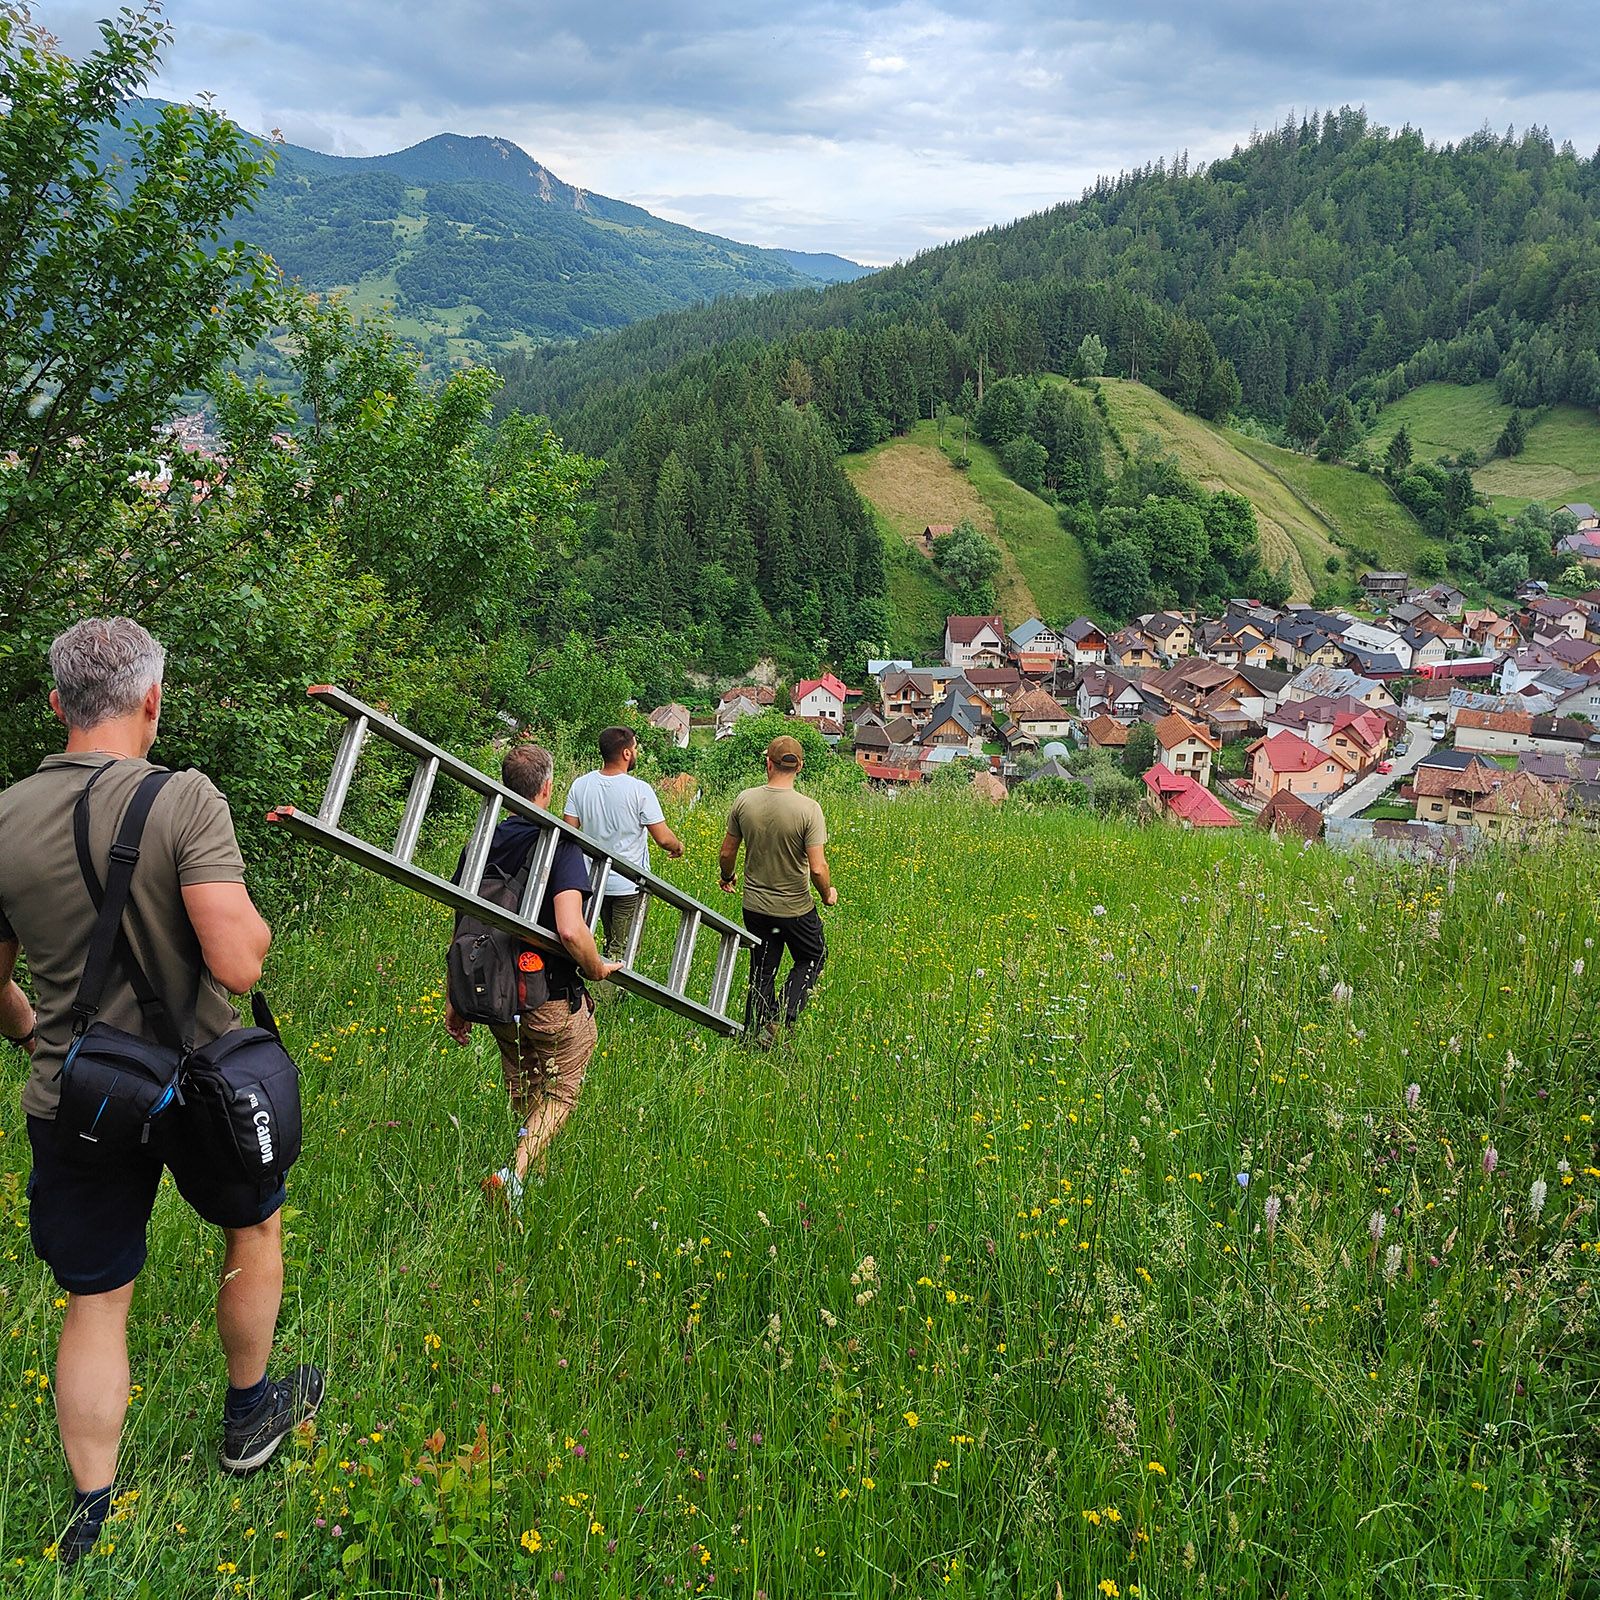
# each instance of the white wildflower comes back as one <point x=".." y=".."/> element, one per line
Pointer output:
<point x="1536" y="1198"/>
<point x="1375" y="1226"/>
<point x="1391" y="1263"/>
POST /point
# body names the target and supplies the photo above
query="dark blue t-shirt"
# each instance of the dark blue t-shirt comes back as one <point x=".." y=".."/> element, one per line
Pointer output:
<point x="512" y="841"/>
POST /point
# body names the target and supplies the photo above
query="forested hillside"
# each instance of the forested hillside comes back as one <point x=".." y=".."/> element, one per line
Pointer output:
<point x="1303" y="282"/>
<point x="478" y="247"/>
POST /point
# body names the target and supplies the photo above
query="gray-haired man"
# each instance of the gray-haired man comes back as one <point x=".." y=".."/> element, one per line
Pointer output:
<point x="193" y="929"/>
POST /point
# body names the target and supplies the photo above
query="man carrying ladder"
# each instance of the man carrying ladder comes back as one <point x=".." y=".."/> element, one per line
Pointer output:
<point x="545" y="1052"/>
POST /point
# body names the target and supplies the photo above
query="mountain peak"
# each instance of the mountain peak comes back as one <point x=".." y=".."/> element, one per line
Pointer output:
<point x="481" y="158"/>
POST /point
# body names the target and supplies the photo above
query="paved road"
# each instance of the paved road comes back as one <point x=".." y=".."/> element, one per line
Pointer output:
<point x="1354" y="800"/>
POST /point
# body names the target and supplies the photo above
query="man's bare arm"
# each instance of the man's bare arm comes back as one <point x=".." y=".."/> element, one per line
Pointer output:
<point x="233" y="937"/>
<point x="666" y="838"/>
<point x="575" y="935"/>
<point x="820" y="880"/>
<point x="727" y="856"/>
<point x="16" y="1012"/>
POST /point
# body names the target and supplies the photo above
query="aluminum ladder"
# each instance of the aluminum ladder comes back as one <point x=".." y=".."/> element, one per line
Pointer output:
<point x="363" y="721"/>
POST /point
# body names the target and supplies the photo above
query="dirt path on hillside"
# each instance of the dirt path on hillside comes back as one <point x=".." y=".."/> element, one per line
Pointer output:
<point x="913" y="486"/>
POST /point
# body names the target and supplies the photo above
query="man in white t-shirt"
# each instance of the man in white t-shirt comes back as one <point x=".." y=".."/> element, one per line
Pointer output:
<point x="621" y="812"/>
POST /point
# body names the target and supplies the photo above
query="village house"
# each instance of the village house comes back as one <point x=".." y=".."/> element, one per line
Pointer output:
<point x="1286" y="761"/>
<point x="907" y="694"/>
<point x="1379" y="586"/>
<point x="758" y="694"/>
<point x="1427" y="649"/>
<point x="993" y="686"/>
<point x="1131" y="649"/>
<point x="1037" y="648"/>
<point x="1584" y="548"/>
<point x="1287" y="813"/>
<point x="954" y="721"/>
<point x="1183" y="747"/>
<point x="1576" y="655"/>
<point x="672" y="720"/>
<point x="1377" y="664"/>
<point x="1488" y="631"/>
<point x="822" y="698"/>
<point x="1336" y="682"/>
<point x="1587" y="518"/>
<point x="1505" y="732"/>
<point x="1484" y="797"/>
<point x="1086" y="643"/>
<point x="935" y="530"/>
<point x="1177" y="797"/>
<point x="1039" y="714"/>
<point x="974" y="642"/>
<point x="1106" y="733"/>
<point x="1173" y="634"/>
<point x="1117" y="695"/>
<point x="1555" y="615"/>
<point x="1358" y="739"/>
<point x="734" y="711"/>
<point x="1444" y="598"/>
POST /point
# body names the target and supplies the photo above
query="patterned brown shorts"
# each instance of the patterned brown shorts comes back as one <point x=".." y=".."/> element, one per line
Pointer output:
<point x="547" y="1054"/>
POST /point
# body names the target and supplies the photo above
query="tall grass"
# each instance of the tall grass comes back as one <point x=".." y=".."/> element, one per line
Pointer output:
<point x="1085" y="1238"/>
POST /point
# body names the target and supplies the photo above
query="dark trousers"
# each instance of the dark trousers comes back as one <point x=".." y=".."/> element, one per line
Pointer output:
<point x="803" y="938"/>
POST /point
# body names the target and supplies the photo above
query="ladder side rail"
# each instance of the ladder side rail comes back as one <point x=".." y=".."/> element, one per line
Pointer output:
<point x="453" y="767"/>
<point x="452" y="895"/>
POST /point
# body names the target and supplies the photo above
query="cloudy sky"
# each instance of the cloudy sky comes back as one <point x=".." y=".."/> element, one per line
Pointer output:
<point x="873" y="128"/>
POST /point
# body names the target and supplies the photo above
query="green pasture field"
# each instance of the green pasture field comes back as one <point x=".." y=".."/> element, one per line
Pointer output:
<point x="1559" y="463"/>
<point x="1084" y="1240"/>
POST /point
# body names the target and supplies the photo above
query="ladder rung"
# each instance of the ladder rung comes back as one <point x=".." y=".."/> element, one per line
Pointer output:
<point x="344" y="769"/>
<point x="630" y="953"/>
<point x="405" y="841"/>
<point x="477" y="856"/>
<point x="683" y="950"/>
<point x="540" y="866"/>
<point x="597" y="890"/>
<point x="722" y="978"/>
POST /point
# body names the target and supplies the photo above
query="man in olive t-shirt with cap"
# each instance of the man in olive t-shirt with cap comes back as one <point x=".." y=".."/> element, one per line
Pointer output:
<point x="783" y="833"/>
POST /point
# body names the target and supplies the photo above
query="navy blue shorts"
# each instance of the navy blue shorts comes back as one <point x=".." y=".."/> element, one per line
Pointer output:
<point x="88" y="1212"/>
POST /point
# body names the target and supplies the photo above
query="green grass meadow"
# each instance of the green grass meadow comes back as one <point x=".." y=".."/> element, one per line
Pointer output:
<point x="1083" y="1241"/>
<point x="1559" y="463"/>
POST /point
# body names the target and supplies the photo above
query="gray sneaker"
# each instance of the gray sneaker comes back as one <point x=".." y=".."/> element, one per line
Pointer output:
<point x="249" y="1443"/>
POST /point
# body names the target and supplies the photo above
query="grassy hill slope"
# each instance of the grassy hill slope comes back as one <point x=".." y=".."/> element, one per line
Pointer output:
<point x="1040" y="1054"/>
<point x="1306" y="510"/>
<point x="1560" y="462"/>
<point x="910" y="482"/>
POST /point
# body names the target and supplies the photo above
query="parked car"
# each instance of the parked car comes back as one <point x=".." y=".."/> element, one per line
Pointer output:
<point x="1386" y="767"/>
<point x="1401" y="748"/>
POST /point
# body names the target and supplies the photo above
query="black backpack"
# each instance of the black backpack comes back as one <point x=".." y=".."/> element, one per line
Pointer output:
<point x="493" y="976"/>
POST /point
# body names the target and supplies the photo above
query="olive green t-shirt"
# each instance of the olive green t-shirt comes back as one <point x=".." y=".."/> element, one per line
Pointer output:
<point x="778" y="827"/>
<point x="45" y="904"/>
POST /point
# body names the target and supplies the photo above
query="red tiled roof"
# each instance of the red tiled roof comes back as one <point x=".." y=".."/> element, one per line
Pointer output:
<point x="1288" y="752"/>
<point x="1183" y="797"/>
<point x="1496" y="721"/>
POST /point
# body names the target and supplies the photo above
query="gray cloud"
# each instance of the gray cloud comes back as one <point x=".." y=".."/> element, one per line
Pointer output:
<point x="871" y="127"/>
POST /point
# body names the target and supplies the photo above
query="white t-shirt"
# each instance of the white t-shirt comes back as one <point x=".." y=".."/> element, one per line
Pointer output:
<point x="614" y="811"/>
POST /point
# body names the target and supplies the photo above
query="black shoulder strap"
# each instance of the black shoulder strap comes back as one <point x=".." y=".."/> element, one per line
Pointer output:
<point x="109" y="937"/>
